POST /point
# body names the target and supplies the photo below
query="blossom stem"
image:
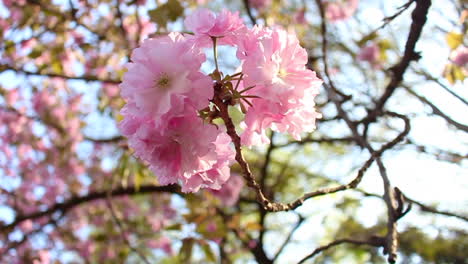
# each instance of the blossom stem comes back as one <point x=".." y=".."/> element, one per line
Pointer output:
<point x="215" y="53"/>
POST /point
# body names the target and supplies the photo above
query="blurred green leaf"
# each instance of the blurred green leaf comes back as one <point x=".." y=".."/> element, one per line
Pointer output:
<point x="367" y="38"/>
<point x="170" y="11"/>
<point x="210" y="256"/>
<point x="185" y="252"/>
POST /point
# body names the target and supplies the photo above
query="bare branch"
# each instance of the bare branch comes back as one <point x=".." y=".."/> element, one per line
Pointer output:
<point x="288" y="238"/>
<point x="419" y="17"/>
<point x="372" y="241"/>
<point x="4" y="67"/>
<point x="437" y="111"/>
<point x="75" y="201"/>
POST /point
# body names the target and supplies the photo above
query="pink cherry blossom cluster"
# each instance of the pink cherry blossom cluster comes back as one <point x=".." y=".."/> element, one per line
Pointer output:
<point x="170" y="108"/>
<point x="371" y="54"/>
<point x="459" y="56"/>
<point x="341" y="9"/>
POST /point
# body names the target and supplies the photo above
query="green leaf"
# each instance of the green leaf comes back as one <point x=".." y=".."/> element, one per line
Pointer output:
<point x="36" y="52"/>
<point x="185" y="252"/>
<point x="177" y="226"/>
<point x="170" y="11"/>
<point x="454" y="39"/>
<point x="367" y="38"/>
<point x="210" y="256"/>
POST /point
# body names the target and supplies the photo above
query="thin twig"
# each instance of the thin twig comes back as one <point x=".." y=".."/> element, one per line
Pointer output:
<point x="437" y="111"/>
<point x="373" y="241"/>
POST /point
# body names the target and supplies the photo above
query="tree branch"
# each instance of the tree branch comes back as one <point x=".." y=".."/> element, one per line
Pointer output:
<point x="372" y="241"/>
<point x="75" y="201"/>
<point x="4" y="67"/>
<point x="419" y="17"/>
<point x="437" y="111"/>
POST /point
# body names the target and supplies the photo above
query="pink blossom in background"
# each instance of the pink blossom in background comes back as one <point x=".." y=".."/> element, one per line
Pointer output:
<point x="43" y="257"/>
<point x="340" y="10"/>
<point x="28" y="43"/>
<point x="370" y="53"/>
<point x="163" y="243"/>
<point x="26" y="226"/>
<point x="110" y="90"/>
<point x="86" y="248"/>
<point x="12" y="96"/>
<point x="299" y="16"/>
<point x="459" y="56"/>
<point x="78" y="38"/>
<point x="4" y="26"/>
<point x="205" y="24"/>
<point x="229" y="192"/>
<point x="260" y="4"/>
<point x="211" y="227"/>
<point x="132" y="27"/>
<point x="252" y="243"/>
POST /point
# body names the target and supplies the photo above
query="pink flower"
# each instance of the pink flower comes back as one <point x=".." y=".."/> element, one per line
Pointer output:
<point x="274" y="64"/>
<point x="211" y="227"/>
<point x="370" y="53"/>
<point x="299" y="16"/>
<point x="132" y="27"/>
<point x="260" y="4"/>
<point x="252" y="243"/>
<point x="28" y="43"/>
<point x="163" y="243"/>
<point x="459" y="56"/>
<point x="44" y="257"/>
<point x="229" y="192"/>
<point x="205" y="23"/>
<point x="11" y="96"/>
<point x="342" y="10"/>
<point x="26" y="226"/>
<point x="86" y="248"/>
<point x="163" y="67"/>
<point x="179" y="148"/>
<point x="110" y="90"/>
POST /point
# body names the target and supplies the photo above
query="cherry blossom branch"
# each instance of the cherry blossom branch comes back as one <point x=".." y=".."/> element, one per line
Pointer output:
<point x="250" y="179"/>
<point x="75" y="201"/>
<point x="4" y="67"/>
